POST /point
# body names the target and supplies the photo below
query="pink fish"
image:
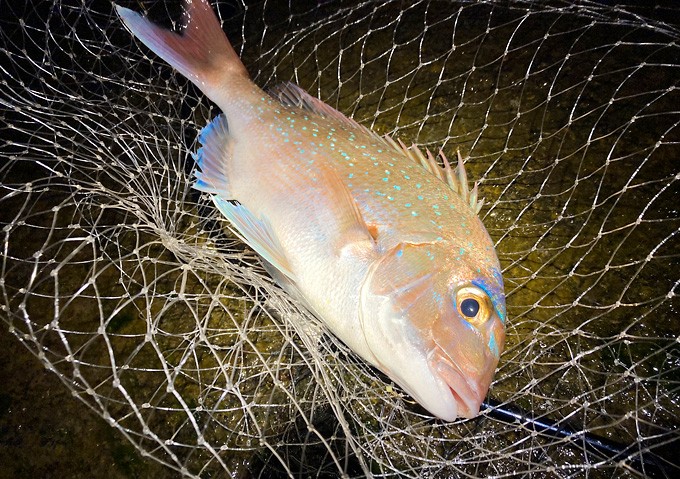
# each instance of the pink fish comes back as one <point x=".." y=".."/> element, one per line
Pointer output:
<point x="378" y="241"/>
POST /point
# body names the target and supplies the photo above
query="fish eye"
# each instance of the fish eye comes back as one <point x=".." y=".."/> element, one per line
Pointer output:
<point x="473" y="304"/>
<point x="469" y="307"/>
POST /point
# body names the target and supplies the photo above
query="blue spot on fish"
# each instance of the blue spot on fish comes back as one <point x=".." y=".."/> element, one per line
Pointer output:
<point x="492" y="345"/>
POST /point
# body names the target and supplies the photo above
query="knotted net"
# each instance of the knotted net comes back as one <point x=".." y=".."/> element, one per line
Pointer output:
<point x="126" y="282"/>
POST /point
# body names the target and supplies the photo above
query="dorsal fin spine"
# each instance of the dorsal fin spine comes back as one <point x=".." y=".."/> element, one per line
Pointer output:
<point x="462" y="177"/>
<point x="455" y="178"/>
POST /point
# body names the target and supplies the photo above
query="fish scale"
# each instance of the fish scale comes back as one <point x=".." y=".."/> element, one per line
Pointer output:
<point x="405" y="186"/>
<point x="406" y="197"/>
<point x="377" y="240"/>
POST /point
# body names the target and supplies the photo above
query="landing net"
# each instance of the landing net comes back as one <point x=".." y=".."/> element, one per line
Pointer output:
<point x="127" y="283"/>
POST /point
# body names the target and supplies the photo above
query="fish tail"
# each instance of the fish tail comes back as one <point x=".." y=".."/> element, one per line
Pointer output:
<point x="202" y="52"/>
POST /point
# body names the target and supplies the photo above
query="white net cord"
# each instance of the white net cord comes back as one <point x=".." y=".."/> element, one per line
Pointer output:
<point x="127" y="283"/>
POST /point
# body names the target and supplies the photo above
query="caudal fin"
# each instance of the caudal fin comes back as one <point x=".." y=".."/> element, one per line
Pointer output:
<point x="202" y="52"/>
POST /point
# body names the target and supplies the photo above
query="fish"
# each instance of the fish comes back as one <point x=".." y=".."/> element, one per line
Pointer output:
<point x="376" y="239"/>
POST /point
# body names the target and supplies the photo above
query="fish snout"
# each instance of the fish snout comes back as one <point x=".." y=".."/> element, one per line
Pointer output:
<point x="467" y="381"/>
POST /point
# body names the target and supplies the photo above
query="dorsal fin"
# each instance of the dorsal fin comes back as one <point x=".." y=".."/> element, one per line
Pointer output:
<point x="291" y="95"/>
<point x="455" y="178"/>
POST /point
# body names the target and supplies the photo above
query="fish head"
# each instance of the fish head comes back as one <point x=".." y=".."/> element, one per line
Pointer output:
<point x="434" y="323"/>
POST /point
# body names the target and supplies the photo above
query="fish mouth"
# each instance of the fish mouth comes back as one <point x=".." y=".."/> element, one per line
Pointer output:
<point x="466" y="394"/>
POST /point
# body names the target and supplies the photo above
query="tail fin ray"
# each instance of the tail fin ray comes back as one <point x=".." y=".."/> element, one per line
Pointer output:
<point x="202" y="52"/>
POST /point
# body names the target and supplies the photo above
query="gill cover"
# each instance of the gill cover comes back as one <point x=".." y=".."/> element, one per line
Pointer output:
<point x="397" y="289"/>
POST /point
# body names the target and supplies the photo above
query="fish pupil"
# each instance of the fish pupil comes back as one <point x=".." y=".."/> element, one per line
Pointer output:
<point x="469" y="307"/>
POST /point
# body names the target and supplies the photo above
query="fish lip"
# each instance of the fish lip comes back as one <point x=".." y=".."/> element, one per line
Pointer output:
<point x="467" y="395"/>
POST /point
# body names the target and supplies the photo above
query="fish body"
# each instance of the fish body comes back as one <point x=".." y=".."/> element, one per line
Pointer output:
<point x="375" y="239"/>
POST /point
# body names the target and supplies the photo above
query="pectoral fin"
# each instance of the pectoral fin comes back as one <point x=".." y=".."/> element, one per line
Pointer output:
<point x="257" y="233"/>
<point x="322" y="206"/>
<point x="339" y="216"/>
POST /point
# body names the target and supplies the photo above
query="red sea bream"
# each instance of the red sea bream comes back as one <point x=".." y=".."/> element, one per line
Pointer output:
<point x="375" y="239"/>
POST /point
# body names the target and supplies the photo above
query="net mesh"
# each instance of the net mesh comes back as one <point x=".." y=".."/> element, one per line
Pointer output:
<point x="127" y="283"/>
